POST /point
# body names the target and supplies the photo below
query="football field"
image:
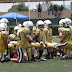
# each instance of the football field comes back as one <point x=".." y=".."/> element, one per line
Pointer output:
<point x="51" y="65"/>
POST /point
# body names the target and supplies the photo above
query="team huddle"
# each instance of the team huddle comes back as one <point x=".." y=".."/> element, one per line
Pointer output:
<point x="21" y="45"/>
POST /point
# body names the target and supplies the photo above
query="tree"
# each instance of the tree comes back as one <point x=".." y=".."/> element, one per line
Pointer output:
<point x="19" y="7"/>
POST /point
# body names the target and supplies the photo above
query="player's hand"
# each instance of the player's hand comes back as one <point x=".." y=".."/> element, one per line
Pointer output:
<point x="41" y="43"/>
<point x="36" y="33"/>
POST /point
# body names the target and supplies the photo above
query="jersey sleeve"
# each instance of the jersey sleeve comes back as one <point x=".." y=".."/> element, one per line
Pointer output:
<point x="65" y="31"/>
<point x="60" y="29"/>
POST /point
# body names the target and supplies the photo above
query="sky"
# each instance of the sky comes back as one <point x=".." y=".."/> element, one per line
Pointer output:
<point x="5" y="6"/>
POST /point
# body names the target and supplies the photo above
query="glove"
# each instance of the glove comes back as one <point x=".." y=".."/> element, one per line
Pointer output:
<point x="41" y="43"/>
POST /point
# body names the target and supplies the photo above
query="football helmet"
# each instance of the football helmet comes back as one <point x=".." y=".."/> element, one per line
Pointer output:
<point x="62" y="23"/>
<point x="24" y="23"/>
<point x="30" y="25"/>
<point x="40" y="24"/>
<point x="48" y="23"/>
<point x="2" y="28"/>
<point x="68" y="21"/>
<point x="4" y="20"/>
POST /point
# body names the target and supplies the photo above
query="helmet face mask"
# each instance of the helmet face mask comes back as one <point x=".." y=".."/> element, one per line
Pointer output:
<point x="48" y="23"/>
<point x="30" y="28"/>
<point x="48" y="26"/>
<point x="68" y="21"/>
<point x="41" y="27"/>
<point x="62" y="23"/>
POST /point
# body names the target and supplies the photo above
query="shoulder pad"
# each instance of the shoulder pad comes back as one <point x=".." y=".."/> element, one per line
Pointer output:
<point x="66" y="29"/>
<point x="26" y="30"/>
<point x="34" y="28"/>
<point x="4" y="32"/>
<point x="61" y="28"/>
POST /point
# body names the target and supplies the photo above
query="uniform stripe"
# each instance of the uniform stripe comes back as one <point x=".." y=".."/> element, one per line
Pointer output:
<point x="38" y="53"/>
<point x="3" y="57"/>
<point x="20" y="55"/>
<point x="26" y="54"/>
<point x="60" y="44"/>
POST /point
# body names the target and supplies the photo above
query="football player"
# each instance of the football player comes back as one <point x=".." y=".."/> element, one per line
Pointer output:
<point x="48" y="34"/>
<point x="65" y="33"/>
<point x="41" y="35"/>
<point x="3" y="43"/>
<point x="5" y="23"/>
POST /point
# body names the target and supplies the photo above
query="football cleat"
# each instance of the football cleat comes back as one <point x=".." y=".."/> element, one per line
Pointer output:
<point x="64" y="56"/>
<point x="43" y="59"/>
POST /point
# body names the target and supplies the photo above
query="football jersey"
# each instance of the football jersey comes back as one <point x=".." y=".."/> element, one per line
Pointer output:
<point x="19" y="30"/>
<point x="23" y="40"/>
<point x="33" y="32"/>
<point x="65" y="32"/>
<point x="48" y="34"/>
<point x="41" y="35"/>
<point x="70" y="36"/>
<point x="2" y="46"/>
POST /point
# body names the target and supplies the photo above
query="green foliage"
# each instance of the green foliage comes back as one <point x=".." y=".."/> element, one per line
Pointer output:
<point x="19" y="7"/>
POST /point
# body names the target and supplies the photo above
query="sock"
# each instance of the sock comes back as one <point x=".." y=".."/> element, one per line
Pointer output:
<point x="32" y="56"/>
<point x="49" y="54"/>
<point x="61" y="51"/>
<point x="40" y="53"/>
<point x="53" y="53"/>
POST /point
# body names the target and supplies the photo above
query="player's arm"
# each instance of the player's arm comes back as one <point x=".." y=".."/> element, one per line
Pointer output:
<point x="56" y="36"/>
<point x="62" y="37"/>
<point x="30" y="38"/>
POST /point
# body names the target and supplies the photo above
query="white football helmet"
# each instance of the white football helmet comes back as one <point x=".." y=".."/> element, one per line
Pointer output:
<point x="24" y="23"/>
<point x="2" y="28"/>
<point x="47" y="22"/>
<point x="30" y="25"/>
<point x="40" y="24"/>
<point x="4" y="20"/>
<point x="62" y="23"/>
<point x="68" y="21"/>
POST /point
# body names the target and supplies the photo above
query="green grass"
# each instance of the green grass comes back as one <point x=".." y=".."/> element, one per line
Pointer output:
<point x="51" y="65"/>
